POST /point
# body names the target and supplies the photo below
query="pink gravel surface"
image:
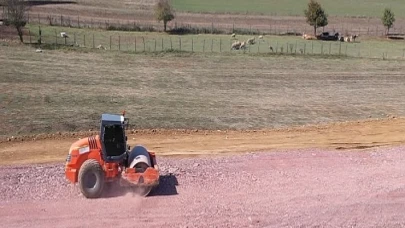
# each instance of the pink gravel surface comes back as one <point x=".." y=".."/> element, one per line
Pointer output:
<point x="300" y="188"/>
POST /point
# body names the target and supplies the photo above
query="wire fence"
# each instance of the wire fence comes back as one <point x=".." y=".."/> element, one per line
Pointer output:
<point x="271" y="28"/>
<point x="134" y="42"/>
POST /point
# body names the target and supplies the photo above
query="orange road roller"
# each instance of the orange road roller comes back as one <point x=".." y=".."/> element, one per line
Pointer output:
<point x="97" y="160"/>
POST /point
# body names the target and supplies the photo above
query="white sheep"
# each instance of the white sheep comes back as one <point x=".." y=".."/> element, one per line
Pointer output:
<point x="236" y="45"/>
<point x="243" y="45"/>
<point x="251" y="40"/>
<point x="64" y="35"/>
<point x="101" y="47"/>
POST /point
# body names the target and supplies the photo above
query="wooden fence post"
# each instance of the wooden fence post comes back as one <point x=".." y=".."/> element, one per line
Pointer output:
<point x="212" y="27"/>
<point x="346" y="50"/>
<point x="330" y="47"/>
<point x="144" y="45"/>
<point x="135" y="44"/>
<point x="126" y="44"/>
<point x="110" y="42"/>
<point x="40" y="35"/>
<point x="340" y="48"/>
<point x="277" y="47"/>
<point x="220" y="45"/>
<point x="119" y="43"/>
<point x="321" y="48"/>
<point x="312" y="42"/>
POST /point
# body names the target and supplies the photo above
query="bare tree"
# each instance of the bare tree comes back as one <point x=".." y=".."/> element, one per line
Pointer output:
<point x="164" y="12"/>
<point x="15" y="15"/>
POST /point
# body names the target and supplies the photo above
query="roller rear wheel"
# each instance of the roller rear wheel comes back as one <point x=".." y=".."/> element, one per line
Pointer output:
<point x="91" y="179"/>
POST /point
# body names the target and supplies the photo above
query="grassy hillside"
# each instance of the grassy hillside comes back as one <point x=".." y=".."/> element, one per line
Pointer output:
<point x="292" y="7"/>
<point x="67" y="90"/>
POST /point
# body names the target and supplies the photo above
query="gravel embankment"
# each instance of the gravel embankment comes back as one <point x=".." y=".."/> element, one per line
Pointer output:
<point x="277" y="189"/>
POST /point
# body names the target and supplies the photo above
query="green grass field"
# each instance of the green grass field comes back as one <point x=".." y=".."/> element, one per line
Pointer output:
<point x="292" y="7"/>
<point x="61" y="90"/>
<point x="151" y="42"/>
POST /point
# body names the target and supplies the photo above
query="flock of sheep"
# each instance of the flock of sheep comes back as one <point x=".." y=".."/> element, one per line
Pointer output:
<point x="242" y="44"/>
<point x="237" y="45"/>
<point x="351" y="38"/>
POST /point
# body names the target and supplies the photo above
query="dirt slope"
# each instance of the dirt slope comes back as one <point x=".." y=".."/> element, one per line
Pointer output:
<point x="347" y="135"/>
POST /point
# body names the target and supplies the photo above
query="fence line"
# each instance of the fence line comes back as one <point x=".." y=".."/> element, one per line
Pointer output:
<point x="139" y="43"/>
<point x="270" y="29"/>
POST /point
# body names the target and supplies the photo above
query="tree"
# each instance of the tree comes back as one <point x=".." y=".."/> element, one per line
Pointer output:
<point x="164" y="12"/>
<point x="315" y="15"/>
<point x="15" y="15"/>
<point x="388" y="19"/>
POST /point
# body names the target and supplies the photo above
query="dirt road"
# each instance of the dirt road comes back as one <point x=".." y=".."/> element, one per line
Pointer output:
<point x="338" y="175"/>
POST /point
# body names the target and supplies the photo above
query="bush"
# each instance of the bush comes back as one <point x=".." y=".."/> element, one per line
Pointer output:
<point x="194" y="30"/>
<point x="131" y="28"/>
